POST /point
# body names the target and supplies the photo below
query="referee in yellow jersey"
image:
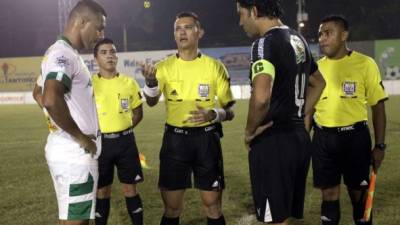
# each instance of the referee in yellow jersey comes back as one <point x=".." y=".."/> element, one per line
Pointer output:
<point x="342" y="142"/>
<point x="192" y="83"/>
<point x="119" y="108"/>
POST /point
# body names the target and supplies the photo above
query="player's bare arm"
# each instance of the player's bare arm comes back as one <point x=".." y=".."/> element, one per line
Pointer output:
<point x="316" y="85"/>
<point x="151" y="91"/>
<point x="258" y="106"/>
<point x="229" y="113"/>
<point x="53" y="101"/>
<point x="137" y="115"/>
<point x="379" y="121"/>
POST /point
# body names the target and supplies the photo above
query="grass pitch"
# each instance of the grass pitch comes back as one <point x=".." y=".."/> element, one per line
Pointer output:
<point x="27" y="195"/>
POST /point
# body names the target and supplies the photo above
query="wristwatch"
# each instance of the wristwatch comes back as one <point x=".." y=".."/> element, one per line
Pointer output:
<point x="151" y="82"/>
<point x="381" y="146"/>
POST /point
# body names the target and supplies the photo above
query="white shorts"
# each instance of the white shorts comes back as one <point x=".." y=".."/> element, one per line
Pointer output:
<point x="75" y="175"/>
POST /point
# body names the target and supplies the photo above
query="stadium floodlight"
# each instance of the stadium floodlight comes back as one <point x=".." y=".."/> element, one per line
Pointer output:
<point x="302" y="16"/>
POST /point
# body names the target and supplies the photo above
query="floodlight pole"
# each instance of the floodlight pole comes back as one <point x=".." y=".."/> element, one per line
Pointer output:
<point x="125" y="37"/>
<point x="64" y="7"/>
<point x="302" y="16"/>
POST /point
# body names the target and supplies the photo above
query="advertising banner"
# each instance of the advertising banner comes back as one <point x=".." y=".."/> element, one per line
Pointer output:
<point x="387" y="55"/>
<point x="19" y="74"/>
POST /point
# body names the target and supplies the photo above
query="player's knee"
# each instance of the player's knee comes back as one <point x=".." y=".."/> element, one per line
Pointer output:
<point x="104" y="192"/>
<point x="212" y="209"/>
<point x="129" y="190"/>
<point x="331" y="194"/>
<point x="330" y="212"/>
<point x="173" y="210"/>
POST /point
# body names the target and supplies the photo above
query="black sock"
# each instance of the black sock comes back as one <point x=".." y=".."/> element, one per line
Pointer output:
<point x="358" y="215"/>
<point x="135" y="209"/>
<point x="219" y="221"/>
<point x="102" y="211"/>
<point x="330" y="212"/>
<point x="358" y="211"/>
<point x="169" y="221"/>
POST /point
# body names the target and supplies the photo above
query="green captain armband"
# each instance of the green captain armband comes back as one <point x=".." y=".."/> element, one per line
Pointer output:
<point x="262" y="66"/>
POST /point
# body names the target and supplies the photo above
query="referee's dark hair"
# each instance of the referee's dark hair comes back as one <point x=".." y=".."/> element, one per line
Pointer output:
<point x="191" y="15"/>
<point x="102" y="42"/>
<point x="87" y="5"/>
<point x="266" y="8"/>
<point x="338" y="19"/>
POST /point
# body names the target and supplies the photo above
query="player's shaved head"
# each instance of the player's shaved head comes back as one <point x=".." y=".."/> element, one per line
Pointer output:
<point x="86" y="23"/>
<point x="337" y="19"/>
<point x="84" y="7"/>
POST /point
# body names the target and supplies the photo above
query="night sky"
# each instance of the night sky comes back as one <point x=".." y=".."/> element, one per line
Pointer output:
<point x="28" y="27"/>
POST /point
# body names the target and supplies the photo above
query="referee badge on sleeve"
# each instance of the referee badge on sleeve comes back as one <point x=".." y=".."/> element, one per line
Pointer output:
<point x="204" y="90"/>
<point x="349" y="88"/>
<point x="124" y="104"/>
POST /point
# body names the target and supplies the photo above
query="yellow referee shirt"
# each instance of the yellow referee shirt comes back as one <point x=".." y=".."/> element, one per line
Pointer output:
<point x="351" y="82"/>
<point x="203" y="80"/>
<point x="115" y="100"/>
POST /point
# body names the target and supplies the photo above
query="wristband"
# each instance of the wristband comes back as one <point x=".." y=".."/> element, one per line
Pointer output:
<point x="151" y="91"/>
<point x="220" y="115"/>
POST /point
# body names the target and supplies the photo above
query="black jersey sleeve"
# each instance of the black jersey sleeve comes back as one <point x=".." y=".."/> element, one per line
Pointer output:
<point x="261" y="49"/>
<point x="261" y="58"/>
<point x="313" y="64"/>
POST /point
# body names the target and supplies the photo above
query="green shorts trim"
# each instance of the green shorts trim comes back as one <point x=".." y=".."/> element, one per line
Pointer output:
<point x="80" y="210"/>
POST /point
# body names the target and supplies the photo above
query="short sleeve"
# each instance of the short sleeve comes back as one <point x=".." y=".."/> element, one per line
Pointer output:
<point x="224" y="92"/>
<point x="261" y="58"/>
<point x="160" y="75"/>
<point x="374" y="88"/>
<point x="313" y="65"/>
<point x="60" y="66"/>
<point x="137" y="97"/>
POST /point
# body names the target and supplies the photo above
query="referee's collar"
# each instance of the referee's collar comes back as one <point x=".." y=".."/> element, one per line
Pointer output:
<point x="349" y="52"/>
<point x="198" y="55"/>
<point x="99" y="75"/>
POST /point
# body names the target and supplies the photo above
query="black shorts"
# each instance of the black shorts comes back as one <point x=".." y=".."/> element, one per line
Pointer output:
<point x="196" y="150"/>
<point x="121" y="151"/>
<point x="344" y="153"/>
<point x="279" y="160"/>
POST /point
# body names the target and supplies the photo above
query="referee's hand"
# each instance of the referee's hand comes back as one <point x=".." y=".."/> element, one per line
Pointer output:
<point x="200" y="115"/>
<point x="377" y="157"/>
<point x="149" y="74"/>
